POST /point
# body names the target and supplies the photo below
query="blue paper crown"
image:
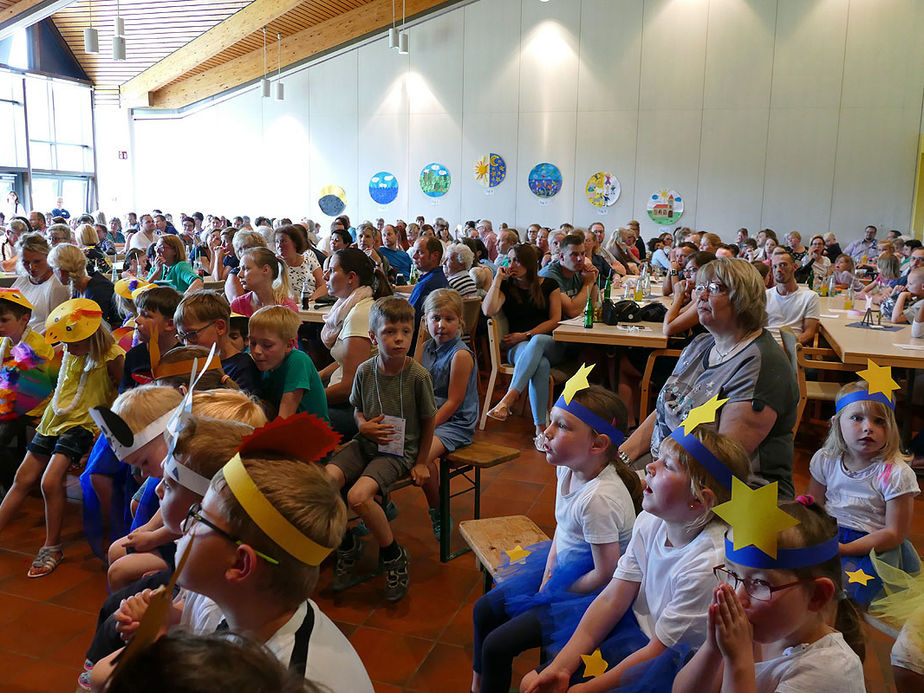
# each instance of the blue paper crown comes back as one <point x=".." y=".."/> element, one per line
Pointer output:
<point x="863" y="396"/>
<point x="786" y="559"/>
<point x="716" y="467"/>
<point x="595" y="422"/>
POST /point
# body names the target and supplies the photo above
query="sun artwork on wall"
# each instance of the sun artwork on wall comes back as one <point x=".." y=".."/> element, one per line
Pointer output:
<point x="490" y="170"/>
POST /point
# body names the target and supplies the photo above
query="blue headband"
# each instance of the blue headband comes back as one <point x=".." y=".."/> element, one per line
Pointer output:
<point x="701" y="454"/>
<point x="595" y="422"/>
<point x="863" y="396"/>
<point x="786" y="559"/>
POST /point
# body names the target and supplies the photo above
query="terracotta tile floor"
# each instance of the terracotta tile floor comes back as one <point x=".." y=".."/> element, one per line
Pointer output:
<point x="421" y="644"/>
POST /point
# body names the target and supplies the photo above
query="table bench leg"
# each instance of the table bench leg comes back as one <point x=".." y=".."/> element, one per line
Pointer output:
<point x="446" y="474"/>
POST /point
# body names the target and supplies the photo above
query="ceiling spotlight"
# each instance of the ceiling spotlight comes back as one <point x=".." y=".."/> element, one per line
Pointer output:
<point x="402" y="43"/>
<point x="118" y="48"/>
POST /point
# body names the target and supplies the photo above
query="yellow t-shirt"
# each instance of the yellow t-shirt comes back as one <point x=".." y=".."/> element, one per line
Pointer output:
<point x="97" y="391"/>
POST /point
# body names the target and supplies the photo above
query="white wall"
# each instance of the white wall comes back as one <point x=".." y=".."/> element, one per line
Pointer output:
<point x="785" y="114"/>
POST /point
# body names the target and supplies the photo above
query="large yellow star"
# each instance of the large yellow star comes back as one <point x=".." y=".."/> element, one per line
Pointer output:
<point x="859" y="576"/>
<point x="517" y="553"/>
<point x="704" y="413"/>
<point x="594" y="664"/>
<point x="755" y="516"/>
<point x="577" y="382"/>
<point x="879" y="379"/>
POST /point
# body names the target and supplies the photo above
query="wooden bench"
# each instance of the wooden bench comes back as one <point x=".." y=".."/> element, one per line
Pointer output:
<point x="491" y="537"/>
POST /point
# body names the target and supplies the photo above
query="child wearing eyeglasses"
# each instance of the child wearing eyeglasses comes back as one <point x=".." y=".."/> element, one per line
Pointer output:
<point x="654" y="604"/>
<point x="785" y="616"/>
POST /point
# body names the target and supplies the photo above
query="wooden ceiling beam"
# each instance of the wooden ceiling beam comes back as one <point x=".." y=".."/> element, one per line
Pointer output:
<point x="242" y="23"/>
<point x="313" y="40"/>
<point x="26" y="13"/>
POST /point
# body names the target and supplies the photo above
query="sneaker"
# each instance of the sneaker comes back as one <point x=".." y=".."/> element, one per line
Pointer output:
<point x="83" y="681"/>
<point x="345" y="566"/>
<point x="391" y="512"/>
<point x="397" y="579"/>
<point x="435" y="521"/>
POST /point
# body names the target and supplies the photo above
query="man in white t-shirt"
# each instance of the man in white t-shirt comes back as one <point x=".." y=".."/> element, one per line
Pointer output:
<point x="788" y="304"/>
<point x="145" y="235"/>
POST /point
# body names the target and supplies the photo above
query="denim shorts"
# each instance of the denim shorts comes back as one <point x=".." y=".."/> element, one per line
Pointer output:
<point x="74" y="443"/>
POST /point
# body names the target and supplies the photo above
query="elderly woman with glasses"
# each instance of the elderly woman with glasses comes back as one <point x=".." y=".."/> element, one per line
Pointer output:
<point x="735" y="359"/>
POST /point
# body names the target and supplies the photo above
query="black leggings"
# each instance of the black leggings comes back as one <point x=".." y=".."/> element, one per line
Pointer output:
<point x="499" y="639"/>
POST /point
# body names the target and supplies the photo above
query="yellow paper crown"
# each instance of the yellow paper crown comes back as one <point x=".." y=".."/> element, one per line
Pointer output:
<point x="130" y="288"/>
<point x="73" y="321"/>
<point x="15" y="296"/>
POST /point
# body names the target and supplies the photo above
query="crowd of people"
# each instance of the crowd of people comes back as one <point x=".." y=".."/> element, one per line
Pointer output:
<point x="221" y="440"/>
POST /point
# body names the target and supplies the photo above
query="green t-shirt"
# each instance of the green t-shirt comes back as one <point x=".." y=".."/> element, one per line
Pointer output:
<point x="297" y="372"/>
<point x="180" y="276"/>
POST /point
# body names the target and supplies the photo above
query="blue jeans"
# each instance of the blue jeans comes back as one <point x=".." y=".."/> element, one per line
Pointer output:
<point x="532" y="360"/>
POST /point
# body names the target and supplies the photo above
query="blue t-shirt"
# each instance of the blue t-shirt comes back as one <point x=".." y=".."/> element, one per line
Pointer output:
<point x="243" y="371"/>
<point x="398" y="259"/>
<point x="297" y="372"/>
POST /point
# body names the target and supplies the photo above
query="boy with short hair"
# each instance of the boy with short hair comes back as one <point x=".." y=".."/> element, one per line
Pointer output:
<point x="289" y="381"/>
<point x="238" y="329"/>
<point x="156" y="306"/>
<point x="908" y="304"/>
<point x="395" y="410"/>
<point x="15" y="334"/>
<point x="202" y="319"/>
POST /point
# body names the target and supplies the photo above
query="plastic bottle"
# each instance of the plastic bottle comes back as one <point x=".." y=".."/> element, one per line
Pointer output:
<point x="640" y="285"/>
<point x="832" y="288"/>
<point x="848" y="302"/>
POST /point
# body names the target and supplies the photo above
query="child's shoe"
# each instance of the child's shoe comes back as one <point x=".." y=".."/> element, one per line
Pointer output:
<point x="435" y="521"/>
<point x="397" y="579"/>
<point x="391" y="512"/>
<point x="46" y="561"/>
<point x="345" y="565"/>
<point x="83" y="681"/>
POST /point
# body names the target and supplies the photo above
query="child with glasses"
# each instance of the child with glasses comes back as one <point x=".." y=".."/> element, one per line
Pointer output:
<point x="654" y="604"/>
<point x="785" y="615"/>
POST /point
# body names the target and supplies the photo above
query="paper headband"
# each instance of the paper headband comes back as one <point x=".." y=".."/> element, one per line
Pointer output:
<point x="786" y="559"/>
<point x="575" y="384"/>
<point x="15" y="296"/>
<point x="73" y="321"/>
<point x="879" y="387"/>
<point x="270" y="520"/>
<point x="184" y="476"/>
<point x="119" y="434"/>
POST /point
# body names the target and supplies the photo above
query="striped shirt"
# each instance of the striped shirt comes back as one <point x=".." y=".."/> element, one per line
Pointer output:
<point x="463" y="283"/>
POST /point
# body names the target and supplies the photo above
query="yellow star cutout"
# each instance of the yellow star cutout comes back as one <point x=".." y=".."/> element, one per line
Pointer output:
<point x="704" y="413"/>
<point x="594" y="664"/>
<point x="577" y="382"/>
<point x="859" y="576"/>
<point x="879" y="379"/>
<point x="517" y="553"/>
<point x="755" y="516"/>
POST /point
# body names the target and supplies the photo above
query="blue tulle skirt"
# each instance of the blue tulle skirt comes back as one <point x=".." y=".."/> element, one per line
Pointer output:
<point x="102" y="460"/>
<point x="903" y="557"/>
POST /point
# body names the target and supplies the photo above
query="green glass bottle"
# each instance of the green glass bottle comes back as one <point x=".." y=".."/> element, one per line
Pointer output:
<point x="589" y="311"/>
<point x="607" y="288"/>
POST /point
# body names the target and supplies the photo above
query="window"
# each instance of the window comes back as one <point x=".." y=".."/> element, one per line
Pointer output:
<point x="60" y="125"/>
<point x="12" y="121"/>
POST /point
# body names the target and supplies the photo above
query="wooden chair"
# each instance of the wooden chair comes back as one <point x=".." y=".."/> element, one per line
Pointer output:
<point x="646" y="379"/>
<point x="496" y="331"/>
<point x="471" y="308"/>
<point x="490" y="538"/>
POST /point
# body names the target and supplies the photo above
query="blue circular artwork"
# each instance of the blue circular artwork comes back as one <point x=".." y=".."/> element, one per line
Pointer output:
<point x="490" y="170"/>
<point x="545" y="180"/>
<point x="383" y="187"/>
<point x="435" y="180"/>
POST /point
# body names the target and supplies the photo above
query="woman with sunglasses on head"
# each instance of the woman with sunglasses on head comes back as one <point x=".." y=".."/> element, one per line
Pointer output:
<point x="735" y="359"/>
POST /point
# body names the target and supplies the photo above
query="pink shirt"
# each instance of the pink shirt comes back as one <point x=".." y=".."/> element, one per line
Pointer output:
<point x="243" y="304"/>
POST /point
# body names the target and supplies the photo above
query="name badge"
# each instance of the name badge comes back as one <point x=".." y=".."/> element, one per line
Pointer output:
<point x="395" y="446"/>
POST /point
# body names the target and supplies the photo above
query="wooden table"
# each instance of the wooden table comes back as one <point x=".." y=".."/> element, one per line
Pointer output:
<point x="315" y="313"/>
<point x="857" y="344"/>
<point x="635" y="334"/>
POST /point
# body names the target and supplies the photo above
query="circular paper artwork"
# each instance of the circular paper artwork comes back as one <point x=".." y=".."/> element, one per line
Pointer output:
<point x="383" y="187"/>
<point x="665" y="207"/>
<point x="333" y="200"/>
<point x="545" y="180"/>
<point x="490" y="170"/>
<point x="602" y="189"/>
<point x="435" y="180"/>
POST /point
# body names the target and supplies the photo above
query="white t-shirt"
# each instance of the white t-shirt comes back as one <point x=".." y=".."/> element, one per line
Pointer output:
<point x="355" y="324"/>
<point x="141" y="241"/>
<point x="858" y="499"/>
<point x="828" y="664"/>
<point x="44" y="297"/>
<point x="332" y="661"/>
<point x="597" y="512"/>
<point x="821" y="268"/>
<point x="676" y="582"/>
<point x="200" y="614"/>
<point x="791" y="310"/>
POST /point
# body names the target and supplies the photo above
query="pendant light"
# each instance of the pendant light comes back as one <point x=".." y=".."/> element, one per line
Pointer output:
<point x="118" y="36"/>
<point x="393" y="32"/>
<point x="280" y="91"/>
<point x="402" y="41"/>
<point x="90" y="35"/>
<point x="265" y="83"/>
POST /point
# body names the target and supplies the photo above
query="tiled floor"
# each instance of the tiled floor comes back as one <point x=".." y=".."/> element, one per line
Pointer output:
<point x="421" y="644"/>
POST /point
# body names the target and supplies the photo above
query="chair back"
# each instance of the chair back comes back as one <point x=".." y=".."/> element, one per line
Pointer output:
<point x="423" y="334"/>
<point x="471" y="309"/>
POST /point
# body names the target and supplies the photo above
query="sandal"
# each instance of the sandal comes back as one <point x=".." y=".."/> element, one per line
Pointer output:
<point x="46" y="561"/>
<point x="501" y="412"/>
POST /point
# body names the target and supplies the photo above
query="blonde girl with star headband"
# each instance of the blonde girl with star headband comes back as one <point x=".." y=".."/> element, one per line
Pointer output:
<point x="861" y="477"/>
<point x="652" y="611"/>
<point x="90" y="371"/>
<point x="781" y="625"/>
<point x="596" y="498"/>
